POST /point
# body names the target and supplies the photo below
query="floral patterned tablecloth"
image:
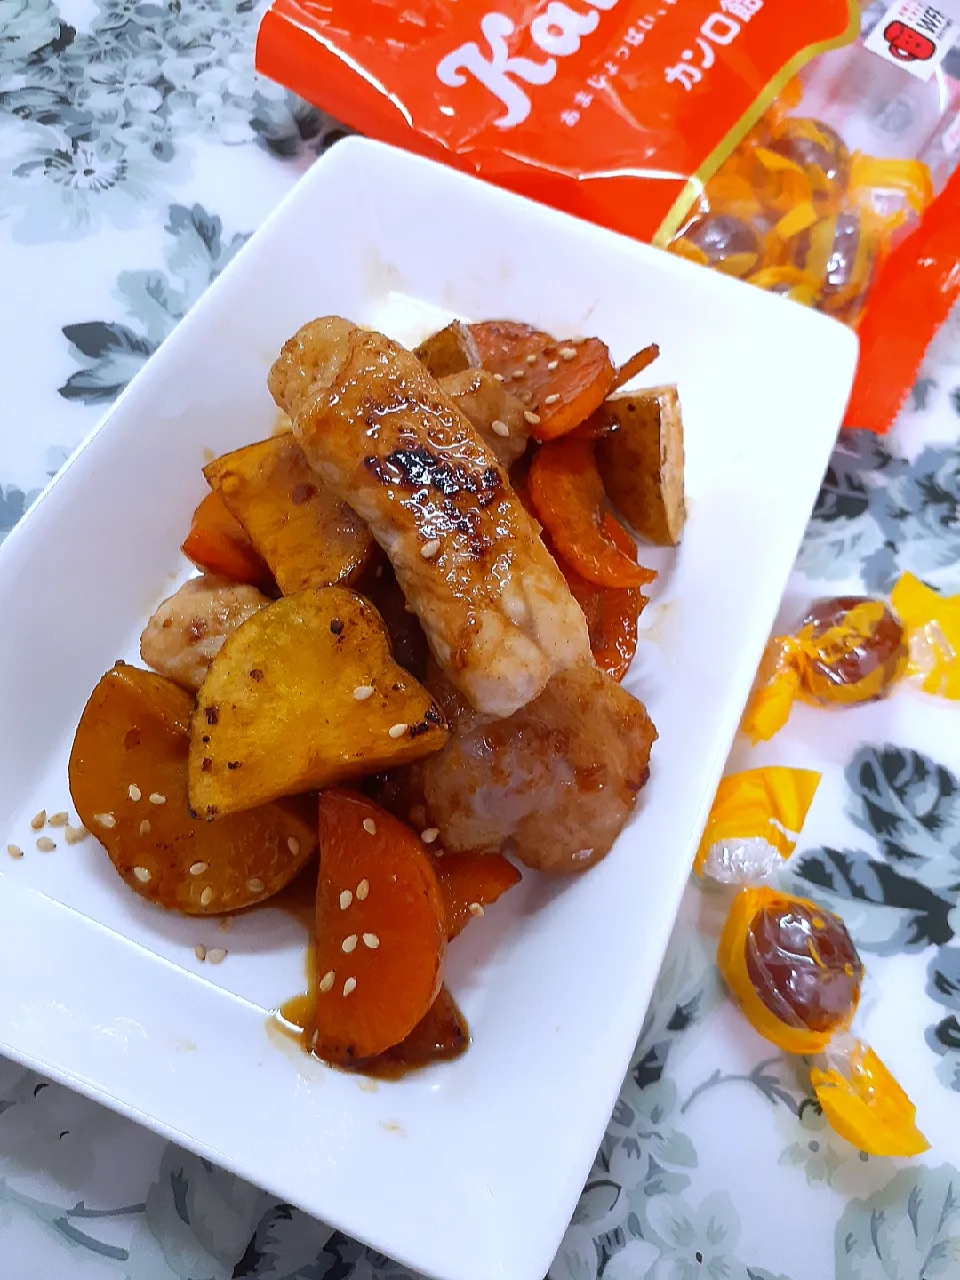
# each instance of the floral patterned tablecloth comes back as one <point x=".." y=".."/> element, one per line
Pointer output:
<point x="138" y="151"/>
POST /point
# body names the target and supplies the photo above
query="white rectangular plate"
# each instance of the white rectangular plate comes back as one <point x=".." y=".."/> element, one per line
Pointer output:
<point x="103" y="992"/>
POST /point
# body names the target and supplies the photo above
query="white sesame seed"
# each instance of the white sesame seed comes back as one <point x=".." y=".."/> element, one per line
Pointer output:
<point x="326" y="982"/>
<point x="39" y="820"/>
<point x="369" y="826"/>
<point x="105" y="820"/>
<point x="475" y="909"/>
<point x="145" y="827"/>
<point x="429" y="834"/>
<point x="345" y="899"/>
<point x="397" y="730"/>
<point x="553" y="364"/>
<point x="349" y="986"/>
<point x="551" y="399"/>
<point x="499" y="428"/>
<point x="142" y="874"/>
<point x="362" y="692"/>
<point x="430" y="549"/>
<point x="226" y="923"/>
<point x="349" y="943"/>
<point x="59" y="819"/>
<point x="216" y="954"/>
<point x="567" y="353"/>
<point x="206" y="897"/>
<point x="531" y="359"/>
<point x="75" y="834"/>
<point x="134" y="792"/>
<point x="198" y="868"/>
<point x="363" y="888"/>
<point x="577" y="342"/>
<point x="498" y="377"/>
<point x="293" y="844"/>
<point x="518" y="374"/>
<point x="255" y="884"/>
<point x="14" y="851"/>
<point x="371" y="940"/>
<point x="157" y="798"/>
<point x="200" y="951"/>
<point x="45" y="844"/>
<point x="531" y="417"/>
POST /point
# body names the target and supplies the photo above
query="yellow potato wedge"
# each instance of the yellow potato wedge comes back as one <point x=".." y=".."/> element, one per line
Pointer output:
<point x="484" y="401"/>
<point x="308" y="537"/>
<point x="641" y="462"/>
<point x="128" y="780"/>
<point x="449" y="351"/>
<point x="303" y="695"/>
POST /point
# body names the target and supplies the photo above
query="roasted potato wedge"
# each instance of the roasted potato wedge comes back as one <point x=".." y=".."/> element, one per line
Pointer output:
<point x="451" y="350"/>
<point x="484" y="401"/>
<point x="308" y="537"/>
<point x="641" y="462"/>
<point x="285" y="706"/>
<point x="128" y="780"/>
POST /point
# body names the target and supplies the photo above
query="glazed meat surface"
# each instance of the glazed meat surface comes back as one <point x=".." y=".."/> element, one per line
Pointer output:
<point x="189" y="628"/>
<point x="497" y="613"/>
<point x="552" y="785"/>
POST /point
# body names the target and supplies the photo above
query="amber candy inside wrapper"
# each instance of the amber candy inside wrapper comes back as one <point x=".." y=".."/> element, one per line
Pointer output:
<point x="792" y="967"/>
<point x="818" y="151"/>
<point x="854" y="649"/>
<point x="722" y="241"/>
<point x="839" y="252"/>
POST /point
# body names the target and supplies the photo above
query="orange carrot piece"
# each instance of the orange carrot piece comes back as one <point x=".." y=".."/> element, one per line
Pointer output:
<point x="559" y="383"/>
<point x="636" y="364"/>
<point x="568" y="494"/>
<point x="472" y="880"/>
<point x="611" y="612"/>
<point x="219" y="543"/>
<point x="381" y="930"/>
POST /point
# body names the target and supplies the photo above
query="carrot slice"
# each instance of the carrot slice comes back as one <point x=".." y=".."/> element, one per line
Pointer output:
<point x="636" y="364"/>
<point x="559" y="383"/>
<point x="438" y="1037"/>
<point x="611" y="612"/>
<point x="219" y="543"/>
<point x="381" y="931"/>
<point x="568" y="494"/>
<point x="469" y="881"/>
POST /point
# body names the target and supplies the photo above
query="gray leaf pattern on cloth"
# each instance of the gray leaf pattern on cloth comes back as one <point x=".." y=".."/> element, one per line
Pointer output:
<point x="906" y="898"/>
<point x="105" y="121"/>
<point x="886" y="515"/>
<point x="156" y="301"/>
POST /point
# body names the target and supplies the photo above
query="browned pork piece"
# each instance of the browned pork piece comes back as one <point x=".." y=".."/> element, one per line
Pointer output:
<point x="552" y="785"/>
<point x="377" y="428"/>
<point x="189" y="628"/>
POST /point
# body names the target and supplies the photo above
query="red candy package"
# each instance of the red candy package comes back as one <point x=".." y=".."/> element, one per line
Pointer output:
<point x="781" y="143"/>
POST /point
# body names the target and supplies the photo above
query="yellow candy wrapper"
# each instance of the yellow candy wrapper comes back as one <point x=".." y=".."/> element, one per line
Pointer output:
<point x="863" y="1102"/>
<point x="853" y="649"/>
<point x="932" y="622"/>
<point x="795" y="973"/>
<point x="754" y="822"/>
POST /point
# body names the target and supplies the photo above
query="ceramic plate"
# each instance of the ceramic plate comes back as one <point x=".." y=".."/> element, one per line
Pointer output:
<point x="468" y="1171"/>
